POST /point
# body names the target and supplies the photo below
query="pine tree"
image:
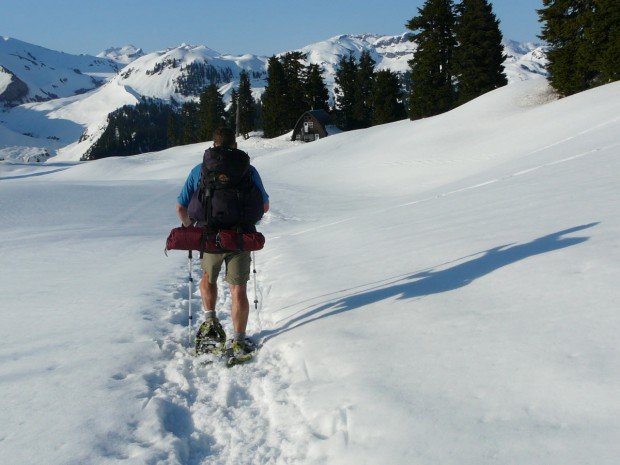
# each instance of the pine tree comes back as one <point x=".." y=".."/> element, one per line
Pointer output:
<point x="479" y="55"/>
<point x="189" y="122"/>
<point x="605" y="38"/>
<point x="432" y="90"/>
<point x="212" y="112"/>
<point x="133" y="129"/>
<point x="274" y="100"/>
<point x="345" y="91"/>
<point x="231" y="114"/>
<point x="386" y="98"/>
<point x="362" y="107"/>
<point x="292" y="62"/>
<point x="246" y="105"/>
<point x="173" y="138"/>
<point x="571" y="55"/>
<point x="316" y="94"/>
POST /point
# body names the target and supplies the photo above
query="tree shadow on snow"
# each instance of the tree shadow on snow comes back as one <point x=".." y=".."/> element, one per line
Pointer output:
<point x="433" y="281"/>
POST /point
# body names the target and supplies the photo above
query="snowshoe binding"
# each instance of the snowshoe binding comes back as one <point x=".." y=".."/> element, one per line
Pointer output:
<point x="210" y="338"/>
<point x="239" y="352"/>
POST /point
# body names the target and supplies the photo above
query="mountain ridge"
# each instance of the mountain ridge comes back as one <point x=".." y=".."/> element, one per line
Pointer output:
<point x="178" y="74"/>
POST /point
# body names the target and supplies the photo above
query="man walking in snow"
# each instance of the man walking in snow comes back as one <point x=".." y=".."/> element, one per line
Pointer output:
<point x="211" y="335"/>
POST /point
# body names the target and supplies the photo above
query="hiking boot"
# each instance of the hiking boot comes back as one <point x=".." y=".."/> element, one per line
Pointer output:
<point x="210" y="337"/>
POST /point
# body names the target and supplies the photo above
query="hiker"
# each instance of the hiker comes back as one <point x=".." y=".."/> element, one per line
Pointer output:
<point x="225" y="155"/>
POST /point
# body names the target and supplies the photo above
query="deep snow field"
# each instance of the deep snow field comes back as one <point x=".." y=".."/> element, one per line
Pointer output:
<point x="442" y="291"/>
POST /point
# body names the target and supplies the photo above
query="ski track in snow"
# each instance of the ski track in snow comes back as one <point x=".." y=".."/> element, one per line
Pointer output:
<point x="198" y="414"/>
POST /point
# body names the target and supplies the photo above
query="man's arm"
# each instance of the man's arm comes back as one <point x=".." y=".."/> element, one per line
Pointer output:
<point x="259" y="183"/>
<point x="183" y="216"/>
<point x="185" y="196"/>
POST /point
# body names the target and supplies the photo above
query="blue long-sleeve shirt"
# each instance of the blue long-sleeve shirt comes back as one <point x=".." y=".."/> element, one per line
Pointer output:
<point x="193" y="180"/>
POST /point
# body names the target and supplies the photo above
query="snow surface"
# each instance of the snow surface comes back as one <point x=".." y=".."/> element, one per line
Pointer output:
<point x="122" y="55"/>
<point x="5" y="80"/>
<point x="51" y="74"/>
<point x="439" y="291"/>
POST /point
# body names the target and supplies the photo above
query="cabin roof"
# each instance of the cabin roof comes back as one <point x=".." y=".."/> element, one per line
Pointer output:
<point x="321" y="115"/>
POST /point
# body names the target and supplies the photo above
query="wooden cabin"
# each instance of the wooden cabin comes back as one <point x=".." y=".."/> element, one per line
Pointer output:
<point x="312" y="125"/>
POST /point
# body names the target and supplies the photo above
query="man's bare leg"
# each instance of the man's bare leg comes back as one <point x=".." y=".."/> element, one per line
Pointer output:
<point x="240" y="307"/>
<point x="208" y="292"/>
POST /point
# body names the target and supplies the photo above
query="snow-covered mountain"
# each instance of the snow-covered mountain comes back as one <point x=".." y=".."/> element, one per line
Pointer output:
<point x="122" y="55"/>
<point x="441" y="291"/>
<point x="71" y="125"/>
<point x="524" y="60"/>
<point x="389" y="52"/>
<point x="32" y="73"/>
<point x="182" y="72"/>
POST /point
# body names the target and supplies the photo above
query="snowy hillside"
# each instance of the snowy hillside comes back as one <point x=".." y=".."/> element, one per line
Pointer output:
<point x="524" y="61"/>
<point x="32" y="73"/>
<point x="439" y="291"/>
<point x="183" y="72"/>
<point x="180" y="74"/>
<point x="122" y="55"/>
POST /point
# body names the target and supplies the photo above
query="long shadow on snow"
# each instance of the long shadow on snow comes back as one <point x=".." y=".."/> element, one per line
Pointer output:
<point x="434" y="282"/>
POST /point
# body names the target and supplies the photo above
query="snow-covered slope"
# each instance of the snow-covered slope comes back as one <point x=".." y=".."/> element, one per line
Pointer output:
<point x="438" y="291"/>
<point x="180" y="74"/>
<point x="122" y="55"/>
<point x="38" y="73"/>
<point x="524" y="61"/>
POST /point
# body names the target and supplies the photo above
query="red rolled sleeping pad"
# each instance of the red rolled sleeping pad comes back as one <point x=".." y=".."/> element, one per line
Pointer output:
<point x="211" y="241"/>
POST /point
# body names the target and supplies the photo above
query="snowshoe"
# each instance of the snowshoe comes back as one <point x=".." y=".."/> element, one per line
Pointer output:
<point x="240" y="352"/>
<point x="210" y="338"/>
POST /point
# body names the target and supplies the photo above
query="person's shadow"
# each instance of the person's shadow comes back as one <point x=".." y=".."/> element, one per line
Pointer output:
<point x="433" y="282"/>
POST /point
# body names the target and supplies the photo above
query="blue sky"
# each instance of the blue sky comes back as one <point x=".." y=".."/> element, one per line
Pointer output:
<point x="234" y="26"/>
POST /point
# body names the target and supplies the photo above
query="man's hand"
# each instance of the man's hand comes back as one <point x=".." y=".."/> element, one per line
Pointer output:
<point x="266" y="207"/>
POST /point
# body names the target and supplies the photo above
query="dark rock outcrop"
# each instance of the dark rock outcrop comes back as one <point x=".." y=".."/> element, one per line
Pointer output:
<point x="15" y="91"/>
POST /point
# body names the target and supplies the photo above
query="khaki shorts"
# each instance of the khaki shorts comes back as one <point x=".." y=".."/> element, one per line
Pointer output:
<point x="237" y="266"/>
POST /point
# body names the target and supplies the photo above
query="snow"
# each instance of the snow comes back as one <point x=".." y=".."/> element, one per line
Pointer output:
<point x="122" y="55"/>
<point x="71" y="131"/>
<point x="49" y="73"/>
<point x="140" y="75"/>
<point x="5" y="80"/>
<point x="438" y="291"/>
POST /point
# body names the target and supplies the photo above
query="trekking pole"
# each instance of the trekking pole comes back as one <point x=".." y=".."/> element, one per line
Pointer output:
<point x="254" y="273"/>
<point x="190" y="281"/>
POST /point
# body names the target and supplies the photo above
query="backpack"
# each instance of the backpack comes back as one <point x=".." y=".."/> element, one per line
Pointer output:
<point x="226" y="198"/>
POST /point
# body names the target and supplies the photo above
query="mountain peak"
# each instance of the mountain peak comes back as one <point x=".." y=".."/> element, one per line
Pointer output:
<point x="123" y="55"/>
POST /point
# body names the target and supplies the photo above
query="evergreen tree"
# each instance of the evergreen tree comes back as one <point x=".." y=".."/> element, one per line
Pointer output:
<point x="479" y="55"/>
<point x="189" y="123"/>
<point x="432" y="64"/>
<point x="173" y="138"/>
<point x="294" y="71"/>
<point x="362" y="106"/>
<point x="275" y="100"/>
<point x="246" y="105"/>
<point x="605" y="38"/>
<point x="386" y="98"/>
<point x="571" y="55"/>
<point x="231" y="114"/>
<point x="345" y="92"/>
<point x="212" y="112"/>
<point x="133" y="129"/>
<point x="316" y="94"/>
